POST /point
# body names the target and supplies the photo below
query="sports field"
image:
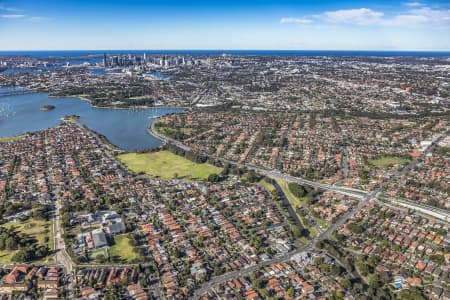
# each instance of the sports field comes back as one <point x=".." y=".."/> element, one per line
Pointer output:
<point x="167" y="165"/>
<point x="11" y="138"/>
<point x="123" y="250"/>
<point x="388" y="161"/>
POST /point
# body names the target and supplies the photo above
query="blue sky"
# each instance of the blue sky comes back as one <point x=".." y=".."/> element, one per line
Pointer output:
<point x="219" y="24"/>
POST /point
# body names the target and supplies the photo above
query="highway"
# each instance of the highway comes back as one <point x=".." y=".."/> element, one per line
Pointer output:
<point x="359" y="194"/>
<point x="438" y="213"/>
<point x="363" y="196"/>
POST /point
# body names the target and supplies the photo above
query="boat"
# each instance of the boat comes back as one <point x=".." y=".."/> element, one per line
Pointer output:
<point x="154" y="114"/>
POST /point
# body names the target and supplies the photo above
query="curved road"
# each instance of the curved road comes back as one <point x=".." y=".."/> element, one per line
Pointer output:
<point x="363" y="196"/>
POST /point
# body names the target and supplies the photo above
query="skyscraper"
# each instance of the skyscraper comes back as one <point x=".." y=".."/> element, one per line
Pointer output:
<point x="105" y="61"/>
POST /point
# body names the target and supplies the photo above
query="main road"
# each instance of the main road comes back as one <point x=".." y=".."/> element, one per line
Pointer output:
<point x="61" y="256"/>
<point x="363" y="196"/>
<point x="267" y="172"/>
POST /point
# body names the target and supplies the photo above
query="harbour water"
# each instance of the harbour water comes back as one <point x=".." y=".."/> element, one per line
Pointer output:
<point x="125" y="128"/>
<point x="72" y="54"/>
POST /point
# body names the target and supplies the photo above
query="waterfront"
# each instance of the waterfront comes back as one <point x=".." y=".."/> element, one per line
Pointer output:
<point x="80" y="56"/>
<point x="125" y="128"/>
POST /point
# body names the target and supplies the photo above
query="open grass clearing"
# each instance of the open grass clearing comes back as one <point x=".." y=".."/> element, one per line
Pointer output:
<point x="388" y="161"/>
<point x="36" y="229"/>
<point x="123" y="250"/>
<point x="296" y="202"/>
<point x="167" y="165"/>
<point x="268" y="186"/>
<point x="98" y="252"/>
<point x="11" y="138"/>
<point x="6" y="256"/>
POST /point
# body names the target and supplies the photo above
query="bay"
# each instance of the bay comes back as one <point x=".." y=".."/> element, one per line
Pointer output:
<point x="72" y="54"/>
<point x="125" y="128"/>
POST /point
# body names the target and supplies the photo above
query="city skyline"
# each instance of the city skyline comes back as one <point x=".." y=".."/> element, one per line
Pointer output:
<point x="208" y="150"/>
<point x="248" y="25"/>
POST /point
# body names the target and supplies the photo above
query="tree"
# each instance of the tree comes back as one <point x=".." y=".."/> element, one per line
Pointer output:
<point x="11" y="243"/>
<point x="20" y="256"/>
<point x="100" y="258"/>
<point x="339" y="294"/>
<point x="41" y="251"/>
<point x="346" y="283"/>
<point x="214" y="178"/>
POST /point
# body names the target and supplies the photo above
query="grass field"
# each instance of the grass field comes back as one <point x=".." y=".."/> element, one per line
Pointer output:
<point x="37" y="229"/>
<point x="268" y="186"/>
<point x="10" y="138"/>
<point x="94" y="253"/>
<point x="388" y="161"/>
<point x="6" y="256"/>
<point x="167" y="165"/>
<point x="168" y="131"/>
<point x="296" y="202"/>
<point x="122" y="249"/>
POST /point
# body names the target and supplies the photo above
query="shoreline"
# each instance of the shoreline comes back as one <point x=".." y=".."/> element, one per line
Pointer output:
<point x="102" y="138"/>
<point x="83" y="98"/>
<point x="152" y="131"/>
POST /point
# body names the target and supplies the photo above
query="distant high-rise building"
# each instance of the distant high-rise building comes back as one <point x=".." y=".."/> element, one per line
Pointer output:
<point x="145" y="57"/>
<point x="105" y="61"/>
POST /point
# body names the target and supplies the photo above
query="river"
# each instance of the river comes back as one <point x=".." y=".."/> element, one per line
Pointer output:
<point x="125" y="128"/>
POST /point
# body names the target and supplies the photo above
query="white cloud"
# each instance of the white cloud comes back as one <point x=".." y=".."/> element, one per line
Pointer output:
<point x="422" y="16"/>
<point x="416" y="16"/>
<point x="359" y="16"/>
<point x="12" y="16"/>
<point x="295" y="21"/>
<point x="7" y="8"/>
<point x="14" y="13"/>
<point x="37" y="19"/>
<point x="413" y="4"/>
<point x="408" y="19"/>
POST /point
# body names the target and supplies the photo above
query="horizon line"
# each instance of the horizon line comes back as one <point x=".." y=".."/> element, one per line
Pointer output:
<point x="199" y="49"/>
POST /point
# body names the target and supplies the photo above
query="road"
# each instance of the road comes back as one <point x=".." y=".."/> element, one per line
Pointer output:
<point x="372" y="195"/>
<point x="291" y="210"/>
<point x="61" y="256"/>
<point x="236" y="274"/>
<point x="355" y="193"/>
<point x="438" y="213"/>
<point x="363" y="196"/>
<point x="269" y="173"/>
<point x="287" y="204"/>
<point x="345" y="159"/>
<point x="246" y="271"/>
